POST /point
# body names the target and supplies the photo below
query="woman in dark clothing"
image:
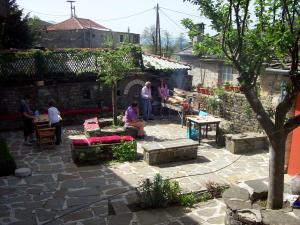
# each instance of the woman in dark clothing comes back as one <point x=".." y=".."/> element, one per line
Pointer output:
<point x="28" y="117"/>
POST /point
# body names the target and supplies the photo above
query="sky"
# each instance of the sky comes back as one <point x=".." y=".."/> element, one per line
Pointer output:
<point x="118" y="15"/>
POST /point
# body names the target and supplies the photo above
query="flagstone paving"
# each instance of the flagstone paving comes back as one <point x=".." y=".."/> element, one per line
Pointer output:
<point x="58" y="187"/>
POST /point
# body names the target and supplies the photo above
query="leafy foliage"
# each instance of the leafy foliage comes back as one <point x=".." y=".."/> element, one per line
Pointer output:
<point x="125" y="151"/>
<point x="14" y="30"/>
<point x="159" y="192"/>
<point x="250" y="41"/>
<point x="7" y="162"/>
<point x="188" y="200"/>
<point x="215" y="190"/>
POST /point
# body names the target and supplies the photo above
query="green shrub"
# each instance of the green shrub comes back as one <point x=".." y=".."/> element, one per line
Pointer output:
<point x="215" y="190"/>
<point x="188" y="200"/>
<point x="159" y="192"/>
<point x="125" y="151"/>
<point x="7" y="162"/>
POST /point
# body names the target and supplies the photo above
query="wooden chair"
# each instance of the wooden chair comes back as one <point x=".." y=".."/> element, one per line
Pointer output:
<point x="46" y="137"/>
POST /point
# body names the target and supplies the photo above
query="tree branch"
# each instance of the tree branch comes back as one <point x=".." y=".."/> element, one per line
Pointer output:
<point x="261" y="115"/>
<point x="287" y="13"/>
<point x="227" y="22"/>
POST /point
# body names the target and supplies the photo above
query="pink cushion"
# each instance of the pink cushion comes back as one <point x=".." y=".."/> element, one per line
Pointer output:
<point x="80" y="142"/>
<point x="91" y="124"/>
<point x="109" y="139"/>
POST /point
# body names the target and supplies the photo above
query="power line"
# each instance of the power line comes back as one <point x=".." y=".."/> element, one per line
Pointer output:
<point x="29" y="10"/>
<point x="111" y="19"/>
<point x="126" y="17"/>
<point x="180" y="12"/>
<point x="172" y="20"/>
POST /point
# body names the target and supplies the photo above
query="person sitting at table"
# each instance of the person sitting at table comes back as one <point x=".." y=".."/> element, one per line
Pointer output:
<point x="28" y="117"/>
<point x="131" y="119"/>
<point x="54" y="120"/>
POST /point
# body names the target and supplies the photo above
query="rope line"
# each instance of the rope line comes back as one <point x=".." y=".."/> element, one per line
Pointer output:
<point x="133" y="188"/>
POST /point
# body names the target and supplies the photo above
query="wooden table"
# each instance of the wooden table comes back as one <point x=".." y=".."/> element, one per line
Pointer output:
<point x="177" y="107"/>
<point x="203" y="121"/>
<point x="41" y="119"/>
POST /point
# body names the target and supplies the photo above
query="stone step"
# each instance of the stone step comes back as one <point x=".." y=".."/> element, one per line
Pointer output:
<point x="121" y="219"/>
<point x="120" y="208"/>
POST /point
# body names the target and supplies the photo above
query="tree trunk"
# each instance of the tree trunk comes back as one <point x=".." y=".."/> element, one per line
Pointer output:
<point x="276" y="171"/>
<point x="114" y="102"/>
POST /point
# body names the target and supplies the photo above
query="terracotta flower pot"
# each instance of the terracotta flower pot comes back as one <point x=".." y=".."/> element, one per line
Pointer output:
<point x="226" y="87"/>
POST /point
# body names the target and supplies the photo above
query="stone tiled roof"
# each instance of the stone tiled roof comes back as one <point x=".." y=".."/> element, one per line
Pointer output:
<point x="186" y="51"/>
<point x="161" y="63"/>
<point x="75" y="23"/>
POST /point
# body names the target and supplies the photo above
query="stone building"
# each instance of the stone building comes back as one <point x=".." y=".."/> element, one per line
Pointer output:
<point x="208" y="71"/>
<point x="83" y="33"/>
<point x="3" y="8"/>
<point x="82" y="94"/>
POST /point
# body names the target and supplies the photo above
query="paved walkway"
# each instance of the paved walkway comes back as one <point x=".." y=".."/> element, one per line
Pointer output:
<point x="58" y="186"/>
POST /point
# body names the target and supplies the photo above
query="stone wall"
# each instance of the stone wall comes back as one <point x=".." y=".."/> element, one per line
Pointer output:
<point x="233" y="107"/>
<point x="85" y="38"/>
<point x="67" y="96"/>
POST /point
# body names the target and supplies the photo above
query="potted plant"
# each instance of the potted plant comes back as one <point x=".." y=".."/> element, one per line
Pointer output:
<point x="226" y="85"/>
<point x="236" y="88"/>
<point x="199" y="87"/>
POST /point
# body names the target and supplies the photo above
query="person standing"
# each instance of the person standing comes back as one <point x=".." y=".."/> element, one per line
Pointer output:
<point x="28" y="117"/>
<point x="163" y="94"/>
<point x="54" y="119"/>
<point x="131" y="119"/>
<point x="146" y="100"/>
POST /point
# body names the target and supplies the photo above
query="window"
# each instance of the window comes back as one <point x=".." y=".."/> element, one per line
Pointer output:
<point x="121" y="38"/>
<point x="226" y="73"/>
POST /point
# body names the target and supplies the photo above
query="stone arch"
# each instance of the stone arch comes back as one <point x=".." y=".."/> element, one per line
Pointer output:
<point x="131" y="84"/>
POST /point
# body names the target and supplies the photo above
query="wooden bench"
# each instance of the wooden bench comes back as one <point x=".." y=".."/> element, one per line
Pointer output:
<point x="170" y="151"/>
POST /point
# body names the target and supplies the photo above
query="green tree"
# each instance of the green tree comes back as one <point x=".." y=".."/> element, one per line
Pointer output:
<point x="181" y="42"/>
<point x="168" y="46"/>
<point x="14" y="31"/>
<point x="148" y="38"/>
<point x="249" y="41"/>
<point x="36" y="27"/>
<point x="113" y="64"/>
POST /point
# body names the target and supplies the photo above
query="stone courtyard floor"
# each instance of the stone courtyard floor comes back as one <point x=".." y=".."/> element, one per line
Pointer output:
<point x="85" y="195"/>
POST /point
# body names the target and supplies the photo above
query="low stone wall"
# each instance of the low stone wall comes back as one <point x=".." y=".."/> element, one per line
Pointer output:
<point x="170" y="151"/>
<point x="243" y="208"/>
<point x="232" y="107"/>
<point x="246" y="142"/>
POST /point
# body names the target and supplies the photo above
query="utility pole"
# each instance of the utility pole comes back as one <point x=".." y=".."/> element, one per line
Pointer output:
<point x="157" y="33"/>
<point x="72" y="7"/>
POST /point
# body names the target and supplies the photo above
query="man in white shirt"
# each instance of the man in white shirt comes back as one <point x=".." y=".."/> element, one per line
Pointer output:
<point x="146" y="100"/>
<point x="54" y="119"/>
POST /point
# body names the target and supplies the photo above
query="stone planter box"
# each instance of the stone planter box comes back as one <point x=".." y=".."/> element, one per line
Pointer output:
<point x="93" y="154"/>
<point x="170" y="151"/>
<point x="247" y="142"/>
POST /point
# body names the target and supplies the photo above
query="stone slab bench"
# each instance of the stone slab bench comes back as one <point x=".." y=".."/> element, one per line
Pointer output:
<point x="170" y="151"/>
<point x="96" y="149"/>
<point x="246" y="142"/>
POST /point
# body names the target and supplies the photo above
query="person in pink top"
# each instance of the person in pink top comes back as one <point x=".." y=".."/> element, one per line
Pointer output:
<point x="163" y="92"/>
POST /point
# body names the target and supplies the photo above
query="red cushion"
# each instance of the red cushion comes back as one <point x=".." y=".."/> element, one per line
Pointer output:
<point x="10" y="116"/>
<point x="109" y="139"/>
<point x="80" y="142"/>
<point x="91" y="124"/>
